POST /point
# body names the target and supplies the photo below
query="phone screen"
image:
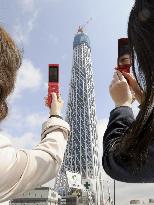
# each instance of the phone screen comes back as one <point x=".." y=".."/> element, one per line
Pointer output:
<point x="53" y="74"/>
<point x="123" y="49"/>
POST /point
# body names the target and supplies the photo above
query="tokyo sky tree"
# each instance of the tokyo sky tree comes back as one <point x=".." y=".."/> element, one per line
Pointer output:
<point x="81" y="155"/>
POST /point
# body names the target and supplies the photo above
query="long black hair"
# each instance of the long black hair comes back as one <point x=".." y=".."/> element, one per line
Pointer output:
<point x="141" y="40"/>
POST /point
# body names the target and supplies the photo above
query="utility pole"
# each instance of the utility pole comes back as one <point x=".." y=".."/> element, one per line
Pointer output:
<point x="114" y="192"/>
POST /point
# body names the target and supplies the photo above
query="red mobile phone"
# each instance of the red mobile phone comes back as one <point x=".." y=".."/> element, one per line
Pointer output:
<point x="123" y="49"/>
<point x="125" y="68"/>
<point x="53" y="84"/>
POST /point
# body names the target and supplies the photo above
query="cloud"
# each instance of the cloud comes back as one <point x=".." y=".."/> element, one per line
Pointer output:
<point x="21" y="31"/>
<point x="27" y="5"/>
<point x="28" y="78"/>
<point x="18" y="34"/>
<point x="27" y="140"/>
<point x="101" y="127"/>
<point x="35" y="120"/>
<point x="12" y="118"/>
<point x="31" y="22"/>
<point x="15" y="121"/>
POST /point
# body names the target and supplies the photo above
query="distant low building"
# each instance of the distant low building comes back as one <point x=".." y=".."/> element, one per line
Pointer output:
<point x="151" y="201"/>
<point x="69" y="200"/>
<point x="135" y="202"/>
<point x="38" y="196"/>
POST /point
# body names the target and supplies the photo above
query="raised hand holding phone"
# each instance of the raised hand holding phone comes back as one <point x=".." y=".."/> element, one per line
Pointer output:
<point x="124" y="57"/>
<point x="120" y="91"/>
<point x="53" y="84"/>
<point x="53" y="100"/>
<point x="56" y="105"/>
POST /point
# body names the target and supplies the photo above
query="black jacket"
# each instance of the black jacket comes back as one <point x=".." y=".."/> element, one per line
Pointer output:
<point x="120" y="119"/>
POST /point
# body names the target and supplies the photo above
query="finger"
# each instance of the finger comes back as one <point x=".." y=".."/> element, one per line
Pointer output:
<point x="114" y="81"/>
<point x="128" y="75"/>
<point x="121" y="77"/>
<point x="62" y="102"/>
<point x="46" y="104"/>
<point x="115" y="76"/>
<point x="59" y="98"/>
<point x="46" y="100"/>
<point x="54" y="96"/>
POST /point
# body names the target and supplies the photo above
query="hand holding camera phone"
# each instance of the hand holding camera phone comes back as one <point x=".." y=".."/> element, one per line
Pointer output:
<point x="53" y="84"/>
<point x="124" y="57"/>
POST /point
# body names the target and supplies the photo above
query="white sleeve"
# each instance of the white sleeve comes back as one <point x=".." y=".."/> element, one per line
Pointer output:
<point x="25" y="169"/>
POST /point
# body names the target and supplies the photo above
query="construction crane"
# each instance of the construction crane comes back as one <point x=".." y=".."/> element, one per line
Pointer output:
<point x="81" y="28"/>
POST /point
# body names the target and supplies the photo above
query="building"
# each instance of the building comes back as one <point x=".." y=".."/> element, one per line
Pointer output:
<point x="81" y="155"/>
<point x="38" y="196"/>
<point x="69" y="200"/>
<point x="135" y="202"/>
<point x="151" y="201"/>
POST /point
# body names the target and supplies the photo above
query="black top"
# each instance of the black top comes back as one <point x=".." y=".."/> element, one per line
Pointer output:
<point x="120" y="119"/>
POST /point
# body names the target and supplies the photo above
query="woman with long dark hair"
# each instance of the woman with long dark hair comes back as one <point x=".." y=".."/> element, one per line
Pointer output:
<point x="128" y="142"/>
<point x="22" y="170"/>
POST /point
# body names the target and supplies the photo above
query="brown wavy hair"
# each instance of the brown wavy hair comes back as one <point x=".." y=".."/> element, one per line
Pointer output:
<point x="10" y="61"/>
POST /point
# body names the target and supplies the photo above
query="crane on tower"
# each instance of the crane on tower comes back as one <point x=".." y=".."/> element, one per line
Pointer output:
<point x="81" y="28"/>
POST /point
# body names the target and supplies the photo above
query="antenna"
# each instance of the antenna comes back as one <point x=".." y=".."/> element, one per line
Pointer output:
<point x="81" y="28"/>
<point x="109" y="196"/>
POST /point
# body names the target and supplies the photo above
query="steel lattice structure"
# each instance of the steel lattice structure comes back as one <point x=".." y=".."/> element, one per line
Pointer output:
<point x="81" y="155"/>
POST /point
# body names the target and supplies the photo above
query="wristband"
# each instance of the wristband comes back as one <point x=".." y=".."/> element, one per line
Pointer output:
<point x="58" y="116"/>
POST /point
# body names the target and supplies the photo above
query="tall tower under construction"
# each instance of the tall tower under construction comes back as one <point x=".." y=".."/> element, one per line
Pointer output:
<point x="81" y="155"/>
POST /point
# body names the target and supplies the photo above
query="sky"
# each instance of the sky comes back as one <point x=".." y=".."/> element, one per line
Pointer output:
<point x="44" y="30"/>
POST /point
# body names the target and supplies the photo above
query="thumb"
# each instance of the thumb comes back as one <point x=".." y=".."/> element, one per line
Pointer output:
<point x="54" y="97"/>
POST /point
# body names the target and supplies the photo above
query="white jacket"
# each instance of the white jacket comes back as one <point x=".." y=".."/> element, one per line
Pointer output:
<point x="22" y="170"/>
